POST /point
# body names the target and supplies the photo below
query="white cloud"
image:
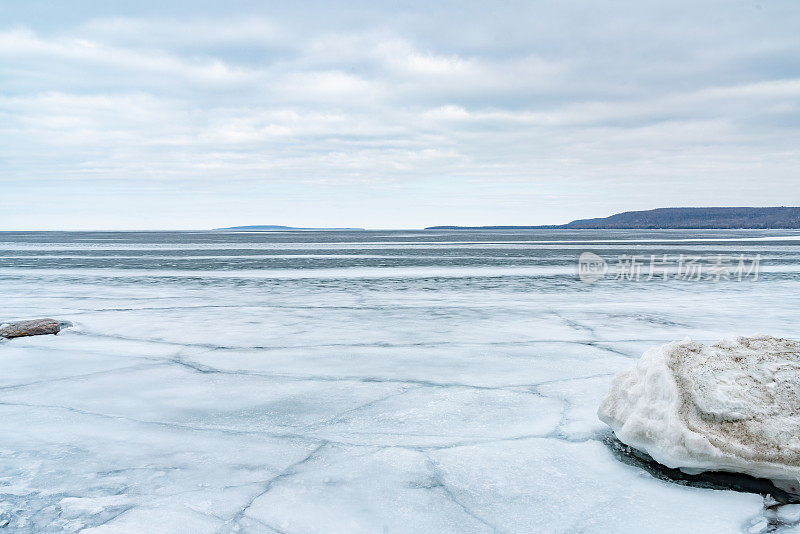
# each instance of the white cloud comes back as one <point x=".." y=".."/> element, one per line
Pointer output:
<point x="172" y="32"/>
<point x="543" y="103"/>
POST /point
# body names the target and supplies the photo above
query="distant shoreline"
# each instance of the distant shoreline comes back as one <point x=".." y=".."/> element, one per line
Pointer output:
<point x="277" y="228"/>
<point x="734" y="218"/>
<point x="565" y="227"/>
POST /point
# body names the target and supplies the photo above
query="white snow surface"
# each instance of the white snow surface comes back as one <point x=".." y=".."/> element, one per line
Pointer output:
<point x="731" y="406"/>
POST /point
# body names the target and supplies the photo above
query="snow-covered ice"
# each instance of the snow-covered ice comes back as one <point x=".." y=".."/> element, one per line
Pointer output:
<point x="732" y="406"/>
<point x="422" y="382"/>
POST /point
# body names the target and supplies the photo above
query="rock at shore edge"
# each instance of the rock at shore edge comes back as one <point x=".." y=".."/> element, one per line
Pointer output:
<point x="35" y="327"/>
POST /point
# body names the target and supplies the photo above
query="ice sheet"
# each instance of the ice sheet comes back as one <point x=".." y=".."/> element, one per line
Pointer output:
<point x="400" y="402"/>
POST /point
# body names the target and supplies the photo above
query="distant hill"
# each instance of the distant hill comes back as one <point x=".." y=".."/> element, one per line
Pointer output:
<point x="274" y="227"/>
<point x="673" y="218"/>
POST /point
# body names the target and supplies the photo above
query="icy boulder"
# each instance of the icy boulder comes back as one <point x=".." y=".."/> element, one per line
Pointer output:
<point x="732" y="406"/>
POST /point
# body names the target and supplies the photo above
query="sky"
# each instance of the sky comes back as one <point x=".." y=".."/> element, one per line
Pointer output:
<point x="194" y="115"/>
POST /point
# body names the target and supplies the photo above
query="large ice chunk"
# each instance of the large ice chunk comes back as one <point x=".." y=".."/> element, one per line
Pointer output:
<point x="732" y="406"/>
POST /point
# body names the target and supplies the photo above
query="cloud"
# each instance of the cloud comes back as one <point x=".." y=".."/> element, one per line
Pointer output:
<point x="600" y="109"/>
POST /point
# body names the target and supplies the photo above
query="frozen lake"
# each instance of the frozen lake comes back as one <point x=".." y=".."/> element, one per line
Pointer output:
<point x="382" y="381"/>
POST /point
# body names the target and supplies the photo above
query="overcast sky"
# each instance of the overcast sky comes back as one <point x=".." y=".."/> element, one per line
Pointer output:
<point x="117" y="115"/>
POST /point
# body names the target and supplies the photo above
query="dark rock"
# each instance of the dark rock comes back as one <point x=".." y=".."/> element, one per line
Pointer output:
<point x="36" y="327"/>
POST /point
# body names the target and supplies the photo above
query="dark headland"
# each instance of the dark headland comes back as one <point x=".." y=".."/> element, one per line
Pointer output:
<point x="672" y="218"/>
